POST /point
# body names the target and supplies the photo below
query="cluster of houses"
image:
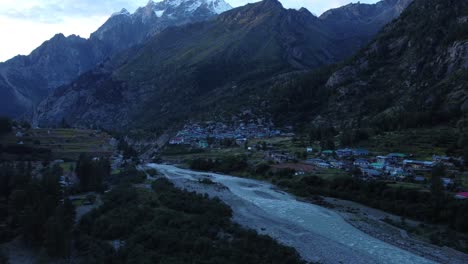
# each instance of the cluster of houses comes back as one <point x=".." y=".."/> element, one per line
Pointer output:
<point x="396" y="166"/>
<point x="197" y="135"/>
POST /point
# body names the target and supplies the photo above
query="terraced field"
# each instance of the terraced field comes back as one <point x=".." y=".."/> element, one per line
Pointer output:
<point x="65" y="144"/>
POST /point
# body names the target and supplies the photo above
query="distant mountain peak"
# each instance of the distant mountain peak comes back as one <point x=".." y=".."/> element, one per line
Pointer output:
<point x="177" y="7"/>
<point x="273" y="2"/>
<point x="382" y="9"/>
<point x="122" y="12"/>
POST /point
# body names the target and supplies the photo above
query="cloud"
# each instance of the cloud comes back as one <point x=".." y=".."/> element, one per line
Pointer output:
<point x="314" y="6"/>
<point x="25" y="24"/>
<point x="56" y="11"/>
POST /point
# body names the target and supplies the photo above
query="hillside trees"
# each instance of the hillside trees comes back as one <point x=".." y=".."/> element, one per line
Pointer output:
<point x="465" y="155"/>
<point x="5" y="125"/>
<point x="91" y="172"/>
<point x="37" y="210"/>
<point x="169" y="225"/>
<point x="58" y="230"/>
<point x="437" y="187"/>
<point x="226" y="164"/>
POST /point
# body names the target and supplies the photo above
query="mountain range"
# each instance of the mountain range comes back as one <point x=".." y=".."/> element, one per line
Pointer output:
<point x="413" y="74"/>
<point x="181" y="72"/>
<point x="26" y="80"/>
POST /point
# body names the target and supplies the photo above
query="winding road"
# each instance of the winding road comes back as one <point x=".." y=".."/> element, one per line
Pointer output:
<point x="317" y="233"/>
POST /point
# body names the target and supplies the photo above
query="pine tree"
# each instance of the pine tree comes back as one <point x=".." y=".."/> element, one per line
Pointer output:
<point x="437" y="187"/>
<point x="5" y="125"/>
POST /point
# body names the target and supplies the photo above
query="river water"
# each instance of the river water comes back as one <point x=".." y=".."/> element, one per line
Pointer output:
<point x="317" y="233"/>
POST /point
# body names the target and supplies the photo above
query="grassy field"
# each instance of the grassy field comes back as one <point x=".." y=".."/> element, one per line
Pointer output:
<point x="331" y="174"/>
<point x="68" y="166"/>
<point x="422" y="143"/>
<point x="277" y="144"/>
<point x="407" y="185"/>
<point x="65" y="144"/>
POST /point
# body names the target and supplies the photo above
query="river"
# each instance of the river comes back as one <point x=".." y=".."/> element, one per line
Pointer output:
<point x="317" y="233"/>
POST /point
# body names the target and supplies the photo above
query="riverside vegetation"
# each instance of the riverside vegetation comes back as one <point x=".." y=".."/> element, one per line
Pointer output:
<point x="433" y="207"/>
<point x="168" y="225"/>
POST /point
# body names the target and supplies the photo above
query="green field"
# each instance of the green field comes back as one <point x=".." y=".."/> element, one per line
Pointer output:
<point x="331" y="174"/>
<point x="421" y="143"/>
<point x="68" y="166"/>
<point x="65" y="144"/>
<point x="276" y="144"/>
<point x="407" y="185"/>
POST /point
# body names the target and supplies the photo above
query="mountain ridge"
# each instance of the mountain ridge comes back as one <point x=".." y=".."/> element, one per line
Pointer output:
<point x="413" y="74"/>
<point x="26" y="80"/>
<point x="219" y="58"/>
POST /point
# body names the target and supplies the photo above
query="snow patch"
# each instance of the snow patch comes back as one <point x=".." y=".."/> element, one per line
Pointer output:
<point x="215" y="6"/>
<point x="219" y="6"/>
<point x="194" y="6"/>
<point x="121" y="12"/>
<point x="159" y="13"/>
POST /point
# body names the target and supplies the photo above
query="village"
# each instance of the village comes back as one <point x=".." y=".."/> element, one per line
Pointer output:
<point x="204" y="135"/>
<point x="256" y="141"/>
<point x="393" y="166"/>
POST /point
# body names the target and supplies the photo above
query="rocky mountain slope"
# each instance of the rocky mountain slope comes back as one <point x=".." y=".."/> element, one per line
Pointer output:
<point x="358" y="23"/>
<point x="415" y="73"/>
<point x="124" y="30"/>
<point x="26" y="80"/>
<point x="188" y="71"/>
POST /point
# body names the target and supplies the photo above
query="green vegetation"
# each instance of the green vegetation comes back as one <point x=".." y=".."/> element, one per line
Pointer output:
<point x="127" y="150"/>
<point x="36" y="209"/>
<point x="225" y="164"/>
<point x="168" y="225"/>
<point x="91" y="172"/>
<point x="406" y="185"/>
<point x="422" y="143"/>
<point x="3" y="257"/>
<point x="68" y="166"/>
<point x="433" y="207"/>
<point x="128" y="175"/>
<point x="331" y="174"/>
<point x="295" y="100"/>
<point x="5" y="125"/>
<point x="408" y="200"/>
<point x="50" y="144"/>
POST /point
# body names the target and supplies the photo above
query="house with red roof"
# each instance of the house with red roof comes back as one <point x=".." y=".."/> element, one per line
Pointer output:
<point x="461" y="196"/>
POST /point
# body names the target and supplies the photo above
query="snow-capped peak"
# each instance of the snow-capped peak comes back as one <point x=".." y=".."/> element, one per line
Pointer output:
<point x="219" y="6"/>
<point x="122" y="12"/>
<point x="189" y="6"/>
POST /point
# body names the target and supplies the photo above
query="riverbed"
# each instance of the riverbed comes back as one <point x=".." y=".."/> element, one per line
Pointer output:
<point x="317" y="233"/>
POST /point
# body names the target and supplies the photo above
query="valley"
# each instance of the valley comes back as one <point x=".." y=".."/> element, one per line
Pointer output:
<point x="317" y="233"/>
<point x="209" y="131"/>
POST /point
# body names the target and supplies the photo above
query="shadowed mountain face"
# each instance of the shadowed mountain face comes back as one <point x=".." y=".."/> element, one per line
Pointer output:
<point x="26" y="80"/>
<point x="414" y="73"/>
<point x="185" y="71"/>
<point x="358" y="23"/>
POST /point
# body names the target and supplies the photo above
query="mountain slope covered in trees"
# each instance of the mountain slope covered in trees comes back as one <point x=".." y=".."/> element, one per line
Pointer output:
<point x="413" y="74"/>
<point x="26" y="80"/>
<point x="219" y="65"/>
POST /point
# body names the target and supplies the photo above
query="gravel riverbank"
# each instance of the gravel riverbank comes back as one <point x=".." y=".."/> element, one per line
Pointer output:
<point x="318" y="234"/>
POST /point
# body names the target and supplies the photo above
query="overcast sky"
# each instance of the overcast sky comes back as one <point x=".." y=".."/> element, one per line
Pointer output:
<point x="25" y="24"/>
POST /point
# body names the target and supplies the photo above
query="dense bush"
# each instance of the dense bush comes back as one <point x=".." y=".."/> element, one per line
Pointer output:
<point x="91" y="172"/>
<point x="36" y="211"/>
<point x="5" y="125"/>
<point x="171" y="226"/>
<point x="226" y="164"/>
<point x="424" y="206"/>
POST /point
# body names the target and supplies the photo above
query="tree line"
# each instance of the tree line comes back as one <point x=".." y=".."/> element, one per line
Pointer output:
<point x="35" y="209"/>
<point x="169" y="225"/>
<point x="91" y="172"/>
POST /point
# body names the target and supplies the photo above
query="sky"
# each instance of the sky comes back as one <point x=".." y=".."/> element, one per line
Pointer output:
<point x="26" y="24"/>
